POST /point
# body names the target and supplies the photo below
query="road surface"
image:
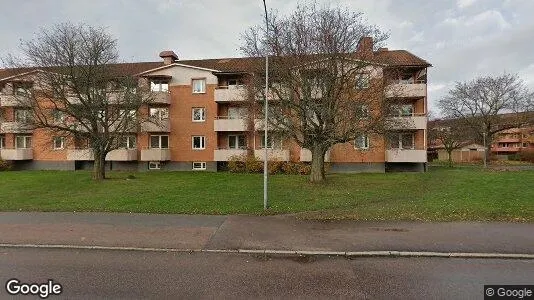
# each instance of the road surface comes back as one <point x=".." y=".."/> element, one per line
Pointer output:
<point x="98" y="274"/>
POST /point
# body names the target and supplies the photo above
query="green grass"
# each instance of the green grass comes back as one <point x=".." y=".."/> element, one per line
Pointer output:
<point x="443" y="194"/>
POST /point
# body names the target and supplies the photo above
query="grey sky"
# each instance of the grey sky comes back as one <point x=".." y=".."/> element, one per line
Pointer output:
<point x="461" y="38"/>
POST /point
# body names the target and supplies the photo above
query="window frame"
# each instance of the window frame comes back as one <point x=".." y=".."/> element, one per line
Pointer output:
<point x="159" y="116"/>
<point x="358" y="84"/>
<point x="2" y="142"/>
<point x="236" y="138"/>
<point x="160" y="84"/>
<point x="157" y="165"/>
<point x="274" y="143"/>
<point x="366" y="141"/>
<point x="62" y="143"/>
<point x="203" y="114"/>
<point x="202" y="142"/>
<point x="193" y="80"/>
<point x="202" y="166"/>
<point x="26" y="138"/>
<point x="160" y="136"/>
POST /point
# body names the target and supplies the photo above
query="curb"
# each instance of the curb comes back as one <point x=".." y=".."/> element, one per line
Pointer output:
<point x="348" y="254"/>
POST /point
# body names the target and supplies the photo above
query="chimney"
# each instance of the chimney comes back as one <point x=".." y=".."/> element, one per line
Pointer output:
<point x="365" y="46"/>
<point x="169" y="57"/>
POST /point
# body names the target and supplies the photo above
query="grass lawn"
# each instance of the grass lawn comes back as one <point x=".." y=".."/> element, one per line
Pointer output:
<point x="442" y="194"/>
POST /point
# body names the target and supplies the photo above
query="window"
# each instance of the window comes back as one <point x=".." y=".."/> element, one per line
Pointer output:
<point x="58" y="116"/>
<point x="129" y="142"/>
<point x="403" y="110"/>
<point x="270" y="142"/>
<point x="199" y="114"/>
<point x="237" y="141"/>
<point x="128" y="115"/>
<point x="159" y="113"/>
<point x="199" y="86"/>
<point x="363" y="81"/>
<point x="22" y="88"/>
<point x="199" y="142"/>
<point x="234" y="83"/>
<point x="199" y="165"/>
<point x="361" y="142"/>
<point x="362" y="111"/>
<point x="23" y="141"/>
<point x="159" y="85"/>
<point x="159" y="141"/>
<point x="154" y="165"/>
<point x="23" y="115"/>
<point x="402" y="141"/>
<point x="2" y="142"/>
<point x="59" y="143"/>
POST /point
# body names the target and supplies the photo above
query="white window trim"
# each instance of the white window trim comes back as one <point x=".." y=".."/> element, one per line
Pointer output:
<point x="368" y="78"/>
<point x="2" y="141"/>
<point x="367" y="141"/>
<point x="62" y="143"/>
<point x="202" y="139"/>
<point x="157" y="165"/>
<point x="159" y="143"/>
<point x="236" y="138"/>
<point x="203" y="109"/>
<point x="25" y="141"/>
<point x="202" y="165"/>
<point x="193" y="85"/>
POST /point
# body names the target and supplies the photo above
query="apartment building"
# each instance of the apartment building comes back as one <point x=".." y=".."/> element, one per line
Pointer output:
<point x="203" y="120"/>
<point x="513" y="141"/>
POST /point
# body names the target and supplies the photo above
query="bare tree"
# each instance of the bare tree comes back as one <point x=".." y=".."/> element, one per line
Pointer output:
<point x="325" y="89"/>
<point x="78" y="92"/>
<point x="481" y="103"/>
<point x="451" y="136"/>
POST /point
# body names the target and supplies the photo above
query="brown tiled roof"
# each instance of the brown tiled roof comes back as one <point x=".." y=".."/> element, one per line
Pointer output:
<point x="240" y="64"/>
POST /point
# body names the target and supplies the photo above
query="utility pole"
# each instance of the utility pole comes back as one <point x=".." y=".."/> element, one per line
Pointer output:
<point x="265" y="124"/>
<point x="485" y="149"/>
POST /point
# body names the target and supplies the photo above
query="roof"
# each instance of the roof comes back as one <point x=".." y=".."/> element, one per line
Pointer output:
<point x="240" y="64"/>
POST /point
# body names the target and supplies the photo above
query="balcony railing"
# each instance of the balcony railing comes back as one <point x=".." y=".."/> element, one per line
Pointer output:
<point x="226" y="154"/>
<point x="160" y="97"/>
<point x="415" y="121"/>
<point x="156" y="126"/>
<point x="122" y="155"/>
<point x="80" y="154"/>
<point x="224" y="123"/>
<point x="16" y="154"/>
<point x="406" y="90"/>
<point x="155" y="154"/>
<point x="405" y="155"/>
<point x="14" y="127"/>
<point x="230" y="93"/>
<point x="273" y="154"/>
<point x="14" y="101"/>
<point x="306" y="155"/>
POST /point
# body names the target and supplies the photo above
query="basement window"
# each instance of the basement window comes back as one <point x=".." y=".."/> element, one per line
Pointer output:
<point x="154" y="165"/>
<point x="199" y="165"/>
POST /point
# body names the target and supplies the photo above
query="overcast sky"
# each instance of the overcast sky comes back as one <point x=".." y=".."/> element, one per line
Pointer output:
<point x="461" y="38"/>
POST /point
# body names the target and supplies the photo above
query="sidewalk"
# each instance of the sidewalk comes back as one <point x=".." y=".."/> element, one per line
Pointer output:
<point x="253" y="232"/>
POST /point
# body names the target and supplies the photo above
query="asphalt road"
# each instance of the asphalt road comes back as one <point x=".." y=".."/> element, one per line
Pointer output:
<point x="95" y="274"/>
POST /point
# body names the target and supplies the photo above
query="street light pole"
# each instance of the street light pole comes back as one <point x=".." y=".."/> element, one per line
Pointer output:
<point x="485" y="149"/>
<point x="266" y="154"/>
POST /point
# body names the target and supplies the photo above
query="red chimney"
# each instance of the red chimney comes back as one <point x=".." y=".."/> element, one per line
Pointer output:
<point x="169" y="57"/>
<point x="365" y="46"/>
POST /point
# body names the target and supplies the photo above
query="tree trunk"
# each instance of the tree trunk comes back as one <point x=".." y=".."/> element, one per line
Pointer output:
<point x="450" y="158"/>
<point x="317" y="166"/>
<point x="99" y="167"/>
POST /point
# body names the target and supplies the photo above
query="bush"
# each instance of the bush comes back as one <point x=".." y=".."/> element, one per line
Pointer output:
<point x="236" y="164"/>
<point x="251" y="164"/>
<point x="5" y="165"/>
<point x="515" y="157"/>
<point x="527" y="155"/>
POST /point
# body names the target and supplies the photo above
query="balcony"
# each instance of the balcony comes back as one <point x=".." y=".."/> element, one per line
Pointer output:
<point x="405" y="155"/>
<point x="16" y="154"/>
<point x="406" y="90"/>
<point x="13" y="101"/>
<point x="122" y="155"/>
<point x="306" y="155"/>
<point x="273" y="154"/>
<point x="160" y="97"/>
<point x="416" y="121"/>
<point x="14" y="127"/>
<point x="156" y="126"/>
<point x="80" y="154"/>
<point x="505" y="149"/>
<point x="225" y="124"/>
<point x="230" y="94"/>
<point x="155" y="154"/>
<point x="226" y="154"/>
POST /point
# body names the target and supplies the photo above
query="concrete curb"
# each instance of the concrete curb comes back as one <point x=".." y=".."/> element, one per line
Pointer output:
<point x="349" y="254"/>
